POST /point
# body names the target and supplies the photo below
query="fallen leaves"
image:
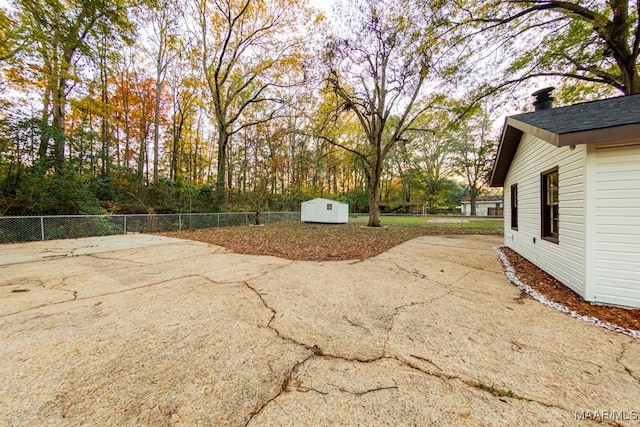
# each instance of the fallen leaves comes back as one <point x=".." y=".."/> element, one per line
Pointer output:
<point x="317" y="242"/>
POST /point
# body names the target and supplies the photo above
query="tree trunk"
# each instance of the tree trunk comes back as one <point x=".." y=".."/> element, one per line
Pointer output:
<point x="156" y="123"/>
<point x="104" y="128"/>
<point x="221" y="191"/>
<point x="58" y="125"/>
<point x="176" y="149"/>
<point x="127" y="127"/>
<point x="374" y="194"/>
<point x="632" y="80"/>
<point x="44" y="132"/>
<point x="473" y="194"/>
<point x="374" y="220"/>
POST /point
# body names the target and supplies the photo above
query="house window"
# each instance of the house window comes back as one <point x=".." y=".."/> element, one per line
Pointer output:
<point x="550" y="205"/>
<point x="329" y="206"/>
<point x="514" y="206"/>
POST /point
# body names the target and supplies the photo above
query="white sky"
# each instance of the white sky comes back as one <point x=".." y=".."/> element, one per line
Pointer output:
<point x="324" y="5"/>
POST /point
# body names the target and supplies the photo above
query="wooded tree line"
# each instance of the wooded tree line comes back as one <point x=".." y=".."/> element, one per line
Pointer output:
<point x="210" y="105"/>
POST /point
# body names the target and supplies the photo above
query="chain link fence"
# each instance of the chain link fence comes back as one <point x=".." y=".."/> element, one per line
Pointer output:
<point x="30" y="228"/>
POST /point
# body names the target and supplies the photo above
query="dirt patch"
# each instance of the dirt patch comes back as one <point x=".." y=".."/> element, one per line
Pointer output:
<point x="559" y="293"/>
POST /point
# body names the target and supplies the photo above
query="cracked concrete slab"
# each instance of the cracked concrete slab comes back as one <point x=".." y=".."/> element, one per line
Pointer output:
<point x="147" y="330"/>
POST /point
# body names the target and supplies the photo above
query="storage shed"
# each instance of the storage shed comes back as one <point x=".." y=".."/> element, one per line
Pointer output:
<point x="325" y="211"/>
<point x="571" y="178"/>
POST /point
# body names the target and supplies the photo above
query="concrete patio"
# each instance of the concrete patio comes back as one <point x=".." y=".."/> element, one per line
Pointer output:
<point x="149" y="330"/>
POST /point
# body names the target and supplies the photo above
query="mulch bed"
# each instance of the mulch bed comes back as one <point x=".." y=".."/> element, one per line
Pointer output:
<point x="559" y="293"/>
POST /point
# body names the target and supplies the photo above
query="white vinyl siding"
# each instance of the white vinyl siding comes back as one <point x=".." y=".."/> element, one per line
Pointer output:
<point x="614" y="225"/>
<point x="325" y="211"/>
<point x="564" y="260"/>
<point x="482" y="207"/>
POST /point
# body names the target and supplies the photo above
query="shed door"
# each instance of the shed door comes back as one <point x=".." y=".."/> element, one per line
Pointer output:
<point x="616" y="226"/>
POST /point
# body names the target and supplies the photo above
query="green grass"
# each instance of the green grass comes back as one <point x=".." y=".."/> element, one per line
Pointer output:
<point x="488" y="224"/>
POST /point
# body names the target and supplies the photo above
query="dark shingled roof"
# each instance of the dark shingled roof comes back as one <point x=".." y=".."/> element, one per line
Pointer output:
<point x="606" y="120"/>
<point x="605" y="113"/>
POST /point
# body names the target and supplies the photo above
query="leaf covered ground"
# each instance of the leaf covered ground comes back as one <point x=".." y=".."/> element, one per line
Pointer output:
<point x="331" y="242"/>
<point x="320" y="242"/>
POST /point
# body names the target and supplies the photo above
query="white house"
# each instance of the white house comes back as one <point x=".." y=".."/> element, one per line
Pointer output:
<point x="325" y="210"/>
<point x="485" y="206"/>
<point x="571" y="178"/>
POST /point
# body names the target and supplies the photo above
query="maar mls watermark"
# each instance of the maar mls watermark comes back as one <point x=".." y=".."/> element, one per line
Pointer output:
<point x="607" y="415"/>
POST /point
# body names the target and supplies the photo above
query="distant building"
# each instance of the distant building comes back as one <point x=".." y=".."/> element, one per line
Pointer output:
<point x="485" y="206"/>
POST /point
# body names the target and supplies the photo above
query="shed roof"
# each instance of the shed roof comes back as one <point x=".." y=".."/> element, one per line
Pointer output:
<point x="490" y="198"/>
<point x="605" y="120"/>
<point x="323" y="200"/>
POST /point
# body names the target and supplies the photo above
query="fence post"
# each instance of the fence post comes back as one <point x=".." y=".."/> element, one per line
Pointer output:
<point x="218" y="216"/>
<point x="179" y="222"/>
<point x="125" y="224"/>
<point x="42" y="227"/>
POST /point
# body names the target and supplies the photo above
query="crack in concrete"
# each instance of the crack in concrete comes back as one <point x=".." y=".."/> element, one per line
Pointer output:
<point x="424" y="359"/>
<point x="477" y="385"/>
<point x="316" y="351"/>
<point x="392" y="321"/>
<point x="284" y="387"/>
<point x="97" y="256"/>
<point x="263" y="274"/>
<point x="523" y="295"/>
<point x="461" y="278"/>
<point x="24" y="283"/>
<point x="626" y="368"/>
<point x="449" y="260"/>
<point x="413" y="272"/>
<point x="247" y="279"/>
<point x="53" y="256"/>
<point x="416" y="273"/>
<point x="74" y="251"/>
<point x="396" y="312"/>
<point x="388" y="332"/>
<point x="62" y="284"/>
<point x="76" y="298"/>
<point x="362" y="393"/>
<point x="357" y="325"/>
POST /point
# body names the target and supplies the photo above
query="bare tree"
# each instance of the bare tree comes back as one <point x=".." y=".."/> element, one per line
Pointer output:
<point x="379" y="73"/>
<point x="163" y="47"/>
<point x="475" y="151"/>
<point x="246" y="48"/>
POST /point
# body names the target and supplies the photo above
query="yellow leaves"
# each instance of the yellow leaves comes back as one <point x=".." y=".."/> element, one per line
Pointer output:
<point x="319" y="17"/>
